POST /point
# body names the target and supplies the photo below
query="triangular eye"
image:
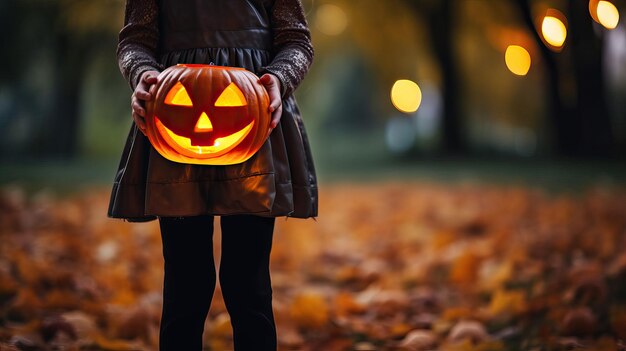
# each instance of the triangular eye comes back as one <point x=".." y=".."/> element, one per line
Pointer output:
<point x="231" y="96"/>
<point x="178" y="96"/>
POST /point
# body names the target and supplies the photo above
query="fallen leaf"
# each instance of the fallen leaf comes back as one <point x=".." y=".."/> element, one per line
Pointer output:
<point x="418" y="340"/>
<point x="473" y="331"/>
<point x="309" y="310"/>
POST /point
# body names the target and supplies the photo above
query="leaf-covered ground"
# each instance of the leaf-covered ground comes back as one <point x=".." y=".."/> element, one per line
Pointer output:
<point x="386" y="266"/>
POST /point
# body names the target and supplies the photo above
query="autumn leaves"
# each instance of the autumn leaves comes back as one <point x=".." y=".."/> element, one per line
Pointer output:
<point x="394" y="266"/>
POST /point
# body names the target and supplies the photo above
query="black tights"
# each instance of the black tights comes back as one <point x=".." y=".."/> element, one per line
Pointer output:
<point x="190" y="280"/>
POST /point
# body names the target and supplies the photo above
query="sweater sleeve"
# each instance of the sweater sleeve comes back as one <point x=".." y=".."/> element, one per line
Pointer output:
<point x="138" y="40"/>
<point x="292" y="48"/>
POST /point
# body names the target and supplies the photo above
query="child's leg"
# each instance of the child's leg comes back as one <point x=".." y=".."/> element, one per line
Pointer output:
<point x="189" y="281"/>
<point x="245" y="280"/>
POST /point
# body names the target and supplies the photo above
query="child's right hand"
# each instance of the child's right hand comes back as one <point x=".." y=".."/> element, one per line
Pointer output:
<point x="143" y="92"/>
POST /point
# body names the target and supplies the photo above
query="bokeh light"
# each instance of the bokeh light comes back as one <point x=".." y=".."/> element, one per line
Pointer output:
<point x="517" y="60"/>
<point x="554" y="30"/>
<point x="406" y="96"/>
<point x="331" y="19"/>
<point x="607" y="14"/>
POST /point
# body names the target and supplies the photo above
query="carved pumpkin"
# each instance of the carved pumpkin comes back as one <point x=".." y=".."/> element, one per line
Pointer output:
<point x="209" y="115"/>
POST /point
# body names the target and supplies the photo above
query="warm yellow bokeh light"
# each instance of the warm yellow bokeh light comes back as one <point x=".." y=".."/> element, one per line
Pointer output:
<point x="607" y="14"/>
<point x="331" y="19"/>
<point x="517" y="60"/>
<point x="406" y="95"/>
<point x="554" y="31"/>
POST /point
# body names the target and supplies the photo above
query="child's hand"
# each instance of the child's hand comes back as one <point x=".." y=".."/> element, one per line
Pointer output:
<point x="272" y="85"/>
<point x="143" y="92"/>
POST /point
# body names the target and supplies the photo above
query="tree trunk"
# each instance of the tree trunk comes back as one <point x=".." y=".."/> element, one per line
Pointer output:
<point x="59" y="136"/>
<point x="442" y="30"/>
<point x="582" y="126"/>
<point x="592" y="111"/>
<point x="565" y="132"/>
<point x="439" y="14"/>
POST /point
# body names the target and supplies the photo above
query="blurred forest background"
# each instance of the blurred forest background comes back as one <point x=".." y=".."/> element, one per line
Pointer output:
<point x="62" y="97"/>
<point x="483" y="143"/>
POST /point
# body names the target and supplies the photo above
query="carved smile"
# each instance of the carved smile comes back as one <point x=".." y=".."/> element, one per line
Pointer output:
<point x="220" y="146"/>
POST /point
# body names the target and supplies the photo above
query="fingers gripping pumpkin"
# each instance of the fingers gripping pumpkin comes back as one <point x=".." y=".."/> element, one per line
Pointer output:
<point x="209" y="115"/>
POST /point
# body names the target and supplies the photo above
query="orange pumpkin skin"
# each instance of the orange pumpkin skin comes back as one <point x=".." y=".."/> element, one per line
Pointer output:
<point x="209" y="115"/>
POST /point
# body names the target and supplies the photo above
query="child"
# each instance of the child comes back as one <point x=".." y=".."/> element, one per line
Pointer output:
<point x="271" y="39"/>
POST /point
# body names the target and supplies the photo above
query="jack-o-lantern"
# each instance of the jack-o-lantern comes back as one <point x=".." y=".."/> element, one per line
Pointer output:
<point x="209" y="115"/>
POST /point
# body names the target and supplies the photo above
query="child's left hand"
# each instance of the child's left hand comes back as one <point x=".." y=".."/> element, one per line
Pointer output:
<point x="272" y="85"/>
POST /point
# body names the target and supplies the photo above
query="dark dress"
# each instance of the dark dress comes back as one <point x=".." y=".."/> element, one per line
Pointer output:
<point x="261" y="36"/>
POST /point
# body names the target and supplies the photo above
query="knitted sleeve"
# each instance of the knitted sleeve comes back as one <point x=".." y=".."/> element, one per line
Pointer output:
<point x="138" y="40"/>
<point x="292" y="48"/>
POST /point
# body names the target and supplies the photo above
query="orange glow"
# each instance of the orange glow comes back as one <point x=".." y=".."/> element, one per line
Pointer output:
<point x="231" y="96"/>
<point x="553" y="28"/>
<point x="178" y="96"/>
<point x="183" y="144"/>
<point x="607" y="14"/>
<point x="593" y="10"/>
<point x="331" y="19"/>
<point x="501" y="37"/>
<point x="208" y="115"/>
<point x="517" y="60"/>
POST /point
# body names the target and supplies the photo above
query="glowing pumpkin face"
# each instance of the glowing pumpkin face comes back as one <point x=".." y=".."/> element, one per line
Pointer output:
<point x="208" y="115"/>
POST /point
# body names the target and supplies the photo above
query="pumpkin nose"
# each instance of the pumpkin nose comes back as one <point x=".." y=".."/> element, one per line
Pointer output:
<point x="204" y="124"/>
